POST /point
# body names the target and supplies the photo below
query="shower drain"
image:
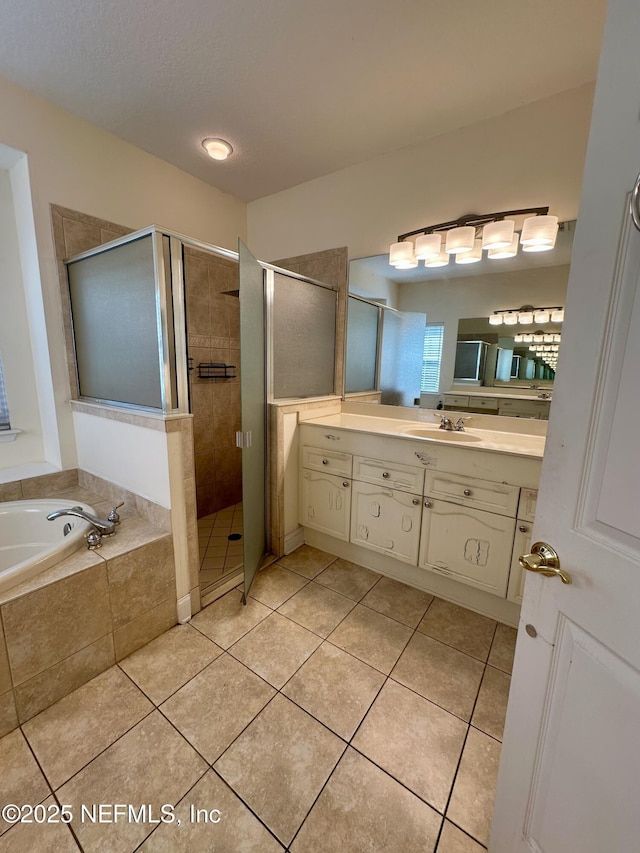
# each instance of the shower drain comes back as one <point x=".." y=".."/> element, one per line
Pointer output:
<point x="234" y="536"/>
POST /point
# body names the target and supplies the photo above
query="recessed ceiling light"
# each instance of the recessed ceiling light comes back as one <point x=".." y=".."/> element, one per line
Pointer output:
<point x="219" y="149"/>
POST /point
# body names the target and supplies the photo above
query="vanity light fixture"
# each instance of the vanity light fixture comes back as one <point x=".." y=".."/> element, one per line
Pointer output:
<point x="526" y="315"/>
<point x="218" y="149"/>
<point x="518" y="339"/>
<point x="470" y="235"/>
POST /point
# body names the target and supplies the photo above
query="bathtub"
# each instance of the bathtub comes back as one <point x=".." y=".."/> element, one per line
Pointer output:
<point x="29" y="543"/>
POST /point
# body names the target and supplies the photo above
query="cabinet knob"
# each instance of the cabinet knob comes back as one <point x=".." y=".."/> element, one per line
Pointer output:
<point x="415" y="501"/>
<point x="467" y="493"/>
<point x="325" y="461"/>
<point x="523" y="528"/>
<point x="345" y="483"/>
<point x="427" y="504"/>
<point x="385" y="474"/>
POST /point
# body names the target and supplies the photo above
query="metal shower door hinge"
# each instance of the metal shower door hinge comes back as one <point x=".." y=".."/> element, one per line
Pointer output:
<point x="243" y="439"/>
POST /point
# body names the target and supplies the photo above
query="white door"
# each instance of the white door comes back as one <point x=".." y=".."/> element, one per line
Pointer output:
<point x="570" y="772"/>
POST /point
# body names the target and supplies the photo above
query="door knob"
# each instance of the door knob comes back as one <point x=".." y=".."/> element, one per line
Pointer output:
<point x="544" y="560"/>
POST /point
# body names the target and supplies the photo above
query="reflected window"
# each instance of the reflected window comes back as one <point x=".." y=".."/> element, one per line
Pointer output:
<point x="431" y="358"/>
<point x="4" y="406"/>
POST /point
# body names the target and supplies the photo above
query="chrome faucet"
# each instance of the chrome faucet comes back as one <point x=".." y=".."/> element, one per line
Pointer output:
<point x="103" y="527"/>
<point x="448" y="424"/>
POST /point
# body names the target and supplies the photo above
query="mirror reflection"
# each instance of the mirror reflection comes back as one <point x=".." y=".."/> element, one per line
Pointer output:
<point x="460" y="348"/>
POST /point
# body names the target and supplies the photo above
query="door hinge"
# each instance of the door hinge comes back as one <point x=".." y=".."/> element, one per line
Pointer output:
<point x="243" y="439"/>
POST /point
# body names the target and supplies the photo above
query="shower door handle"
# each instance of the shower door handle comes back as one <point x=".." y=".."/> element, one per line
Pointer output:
<point x="243" y="439"/>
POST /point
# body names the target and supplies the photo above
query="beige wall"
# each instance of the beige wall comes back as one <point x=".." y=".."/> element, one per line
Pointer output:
<point x="75" y="164"/>
<point x="530" y="156"/>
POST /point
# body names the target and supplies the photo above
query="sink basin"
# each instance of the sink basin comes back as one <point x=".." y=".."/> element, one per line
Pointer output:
<point x="441" y="434"/>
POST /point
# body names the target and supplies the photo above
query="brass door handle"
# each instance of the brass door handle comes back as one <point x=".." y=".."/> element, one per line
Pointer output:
<point x="544" y="560"/>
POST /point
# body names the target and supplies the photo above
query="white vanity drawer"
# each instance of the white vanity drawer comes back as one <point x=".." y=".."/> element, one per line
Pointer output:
<point x="484" y="403"/>
<point x="525" y="408"/>
<point x="456" y="400"/>
<point x="391" y="474"/>
<point x="468" y="491"/>
<point x="330" y="461"/>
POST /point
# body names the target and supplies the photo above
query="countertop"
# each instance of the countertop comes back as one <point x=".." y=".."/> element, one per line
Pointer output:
<point x="496" y="392"/>
<point x="495" y="441"/>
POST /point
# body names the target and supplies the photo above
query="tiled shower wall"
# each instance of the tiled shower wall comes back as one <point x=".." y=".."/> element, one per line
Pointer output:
<point x="213" y="335"/>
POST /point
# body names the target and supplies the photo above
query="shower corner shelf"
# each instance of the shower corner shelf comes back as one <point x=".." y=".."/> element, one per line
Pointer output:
<point x="212" y="370"/>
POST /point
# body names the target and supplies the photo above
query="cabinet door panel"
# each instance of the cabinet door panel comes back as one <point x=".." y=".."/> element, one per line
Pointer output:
<point x="386" y="520"/>
<point x="521" y="545"/>
<point x="329" y="461"/>
<point x="325" y="503"/>
<point x="468" y="545"/>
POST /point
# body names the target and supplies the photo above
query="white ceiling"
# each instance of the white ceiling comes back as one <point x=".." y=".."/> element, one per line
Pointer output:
<point x="300" y="88"/>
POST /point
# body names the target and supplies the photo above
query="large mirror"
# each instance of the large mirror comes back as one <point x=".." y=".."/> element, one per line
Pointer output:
<point x="457" y="302"/>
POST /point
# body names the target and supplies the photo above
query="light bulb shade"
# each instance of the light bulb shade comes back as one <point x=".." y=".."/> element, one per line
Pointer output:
<point x="498" y="235"/>
<point x="218" y="149"/>
<point x="557" y="339"/>
<point x="527" y="338"/>
<point x="555" y="348"/>
<point x="557" y="316"/>
<point x="539" y="233"/>
<point x="548" y="339"/>
<point x="541" y="316"/>
<point x="537" y="339"/>
<point x="511" y="318"/>
<point x="518" y="339"/>
<point x="546" y="349"/>
<point x="532" y="348"/>
<point x="440" y="261"/>
<point x="495" y="320"/>
<point x="509" y="251"/>
<point x="428" y="246"/>
<point x="472" y="256"/>
<point x="460" y="239"/>
<point x="525" y="317"/>
<point x="401" y="255"/>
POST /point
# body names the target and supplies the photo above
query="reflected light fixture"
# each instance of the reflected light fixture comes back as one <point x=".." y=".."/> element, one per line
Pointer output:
<point x="470" y="235"/>
<point x="526" y="315"/>
<point x="218" y="149"/>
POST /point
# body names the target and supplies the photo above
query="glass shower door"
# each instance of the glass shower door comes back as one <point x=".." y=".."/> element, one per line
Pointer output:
<point x="253" y="435"/>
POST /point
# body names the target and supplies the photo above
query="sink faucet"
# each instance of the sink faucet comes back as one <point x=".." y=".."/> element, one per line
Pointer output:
<point x="104" y="527"/>
<point x="448" y="424"/>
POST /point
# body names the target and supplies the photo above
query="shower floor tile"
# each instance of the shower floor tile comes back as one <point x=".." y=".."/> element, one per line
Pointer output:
<point x="219" y="555"/>
<point x="332" y="754"/>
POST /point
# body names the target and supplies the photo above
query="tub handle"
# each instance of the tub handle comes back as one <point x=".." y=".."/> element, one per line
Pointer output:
<point x="94" y="540"/>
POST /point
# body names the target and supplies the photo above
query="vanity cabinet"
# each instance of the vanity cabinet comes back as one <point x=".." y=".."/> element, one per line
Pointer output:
<point x="386" y="520"/>
<point x="521" y="543"/>
<point x="325" y="497"/>
<point x="515" y="408"/>
<point x="467" y="529"/>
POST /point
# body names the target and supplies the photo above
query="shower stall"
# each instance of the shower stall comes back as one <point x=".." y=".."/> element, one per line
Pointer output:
<point x="166" y="324"/>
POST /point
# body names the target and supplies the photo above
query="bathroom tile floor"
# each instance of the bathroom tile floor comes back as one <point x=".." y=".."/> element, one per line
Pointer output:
<point x="337" y="711"/>
<point x="219" y="555"/>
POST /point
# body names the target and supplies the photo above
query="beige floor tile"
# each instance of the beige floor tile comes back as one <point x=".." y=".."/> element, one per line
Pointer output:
<point x="335" y="688"/>
<point x="275" y="649"/>
<point x="212" y="562"/>
<point x="491" y="707"/>
<point x="238" y="829"/>
<point x="169" y="661"/>
<point x="503" y="648"/>
<point x="307" y="561"/>
<point x="279" y="765"/>
<point x="274" y="585"/>
<point x="40" y="837"/>
<point x="372" y="637"/>
<point x="362" y="809"/>
<point x="454" y="840"/>
<point x="21" y="780"/>
<point x="348" y="579"/>
<point x="65" y="737"/>
<point x="414" y="740"/>
<point x="398" y="600"/>
<point x="444" y="675"/>
<point x="228" y="619"/>
<point x="215" y="706"/>
<point x="456" y="626"/>
<point x="151" y="764"/>
<point x="471" y="806"/>
<point x="317" y="608"/>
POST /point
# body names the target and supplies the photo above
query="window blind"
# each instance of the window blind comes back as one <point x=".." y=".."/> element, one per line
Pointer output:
<point x="431" y="357"/>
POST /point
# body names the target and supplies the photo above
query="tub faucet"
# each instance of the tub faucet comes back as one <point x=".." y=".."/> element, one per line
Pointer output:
<point x="104" y="528"/>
